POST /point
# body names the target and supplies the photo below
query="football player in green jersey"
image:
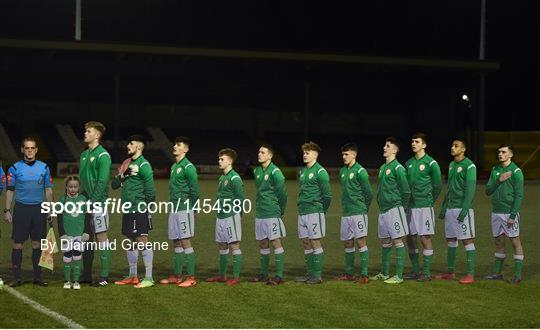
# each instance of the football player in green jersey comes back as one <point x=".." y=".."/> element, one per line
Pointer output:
<point x="228" y="222"/>
<point x="71" y="231"/>
<point x="94" y="173"/>
<point x="137" y="182"/>
<point x="457" y="212"/>
<point x="393" y="196"/>
<point x="356" y="198"/>
<point x="184" y="194"/>
<point x="424" y="175"/>
<point x="270" y="207"/>
<point x="505" y="185"/>
<point x="314" y="200"/>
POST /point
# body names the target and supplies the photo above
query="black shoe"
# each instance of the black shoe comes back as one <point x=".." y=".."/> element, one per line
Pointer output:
<point x="14" y="284"/>
<point x="102" y="282"/>
<point x="86" y="281"/>
<point x="423" y="278"/>
<point x="411" y="276"/>
<point x="40" y="283"/>
<point x="275" y="281"/>
<point x="495" y="276"/>
<point x="260" y="278"/>
<point x="314" y="280"/>
<point x="514" y="280"/>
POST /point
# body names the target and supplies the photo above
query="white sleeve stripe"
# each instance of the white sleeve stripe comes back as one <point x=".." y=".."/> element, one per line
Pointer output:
<point x="360" y="170"/>
<point x="517" y="169"/>
<point x="104" y="153"/>
<point x="398" y="167"/>
<point x="145" y="163"/>
<point x="188" y="165"/>
<point x="433" y="161"/>
<point x="236" y="176"/>
<point x="472" y="165"/>
<point x="276" y="169"/>
<point x="321" y="169"/>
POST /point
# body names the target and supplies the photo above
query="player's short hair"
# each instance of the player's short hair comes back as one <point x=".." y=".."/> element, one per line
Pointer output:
<point x="393" y="140"/>
<point x="97" y="126"/>
<point x="311" y="146"/>
<point x="182" y="139"/>
<point x="71" y="178"/>
<point x="506" y="145"/>
<point x="420" y="136"/>
<point x="462" y="140"/>
<point x="27" y="139"/>
<point x="138" y="138"/>
<point x="349" y="147"/>
<point x="267" y="146"/>
<point x="228" y="152"/>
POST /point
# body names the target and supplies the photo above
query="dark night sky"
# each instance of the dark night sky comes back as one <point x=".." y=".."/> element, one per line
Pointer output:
<point x="431" y="29"/>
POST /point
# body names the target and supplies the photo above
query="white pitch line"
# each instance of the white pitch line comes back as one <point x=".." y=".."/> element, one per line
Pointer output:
<point x="42" y="309"/>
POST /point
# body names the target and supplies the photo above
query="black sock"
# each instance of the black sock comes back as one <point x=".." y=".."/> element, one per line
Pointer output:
<point x="16" y="260"/>
<point x="36" y="254"/>
<point x="88" y="259"/>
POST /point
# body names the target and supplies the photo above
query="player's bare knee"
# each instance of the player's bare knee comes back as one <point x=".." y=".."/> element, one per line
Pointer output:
<point x="276" y="243"/>
<point x="306" y="243"/>
<point x="386" y="241"/>
<point x="101" y="237"/>
<point x="264" y="243"/>
<point x="185" y="243"/>
<point x="316" y="243"/>
<point x="398" y="241"/>
<point x="361" y="242"/>
<point x="177" y="243"/>
<point x="17" y="246"/>
<point x="235" y="246"/>
<point x="142" y="239"/>
<point x="348" y="244"/>
<point x="35" y="244"/>
<point x="223" y="246"/>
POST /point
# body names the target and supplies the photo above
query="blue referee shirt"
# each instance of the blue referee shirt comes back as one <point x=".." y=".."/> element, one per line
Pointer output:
<point x="2" y="179"/>
<point x="29" y="180"/>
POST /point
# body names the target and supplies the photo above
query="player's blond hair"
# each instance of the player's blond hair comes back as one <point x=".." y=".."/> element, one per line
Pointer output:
<point x="311" y="146"/>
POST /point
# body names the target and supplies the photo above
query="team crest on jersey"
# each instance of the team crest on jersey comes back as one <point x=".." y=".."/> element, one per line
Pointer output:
<point x="92" y="158"/>
<point x="178" y="170"/>
<point x="226" y="182"/>
<point x="498" y="174"/>
<point x="266" y="177"/>
<point x="459" y="169"/>
<point x="258" y="176"/>
<point x="351" y="175"/>
<point x="410" y="165"/>
<point x="310" y="175"/>
<point x="134" y="169"/>
<point x="422" y="167"/>
<point x="74" y="214"/>
<point x="388" y="171"/>
<point x="84" y="158"/>
<point x="342" y="175"/>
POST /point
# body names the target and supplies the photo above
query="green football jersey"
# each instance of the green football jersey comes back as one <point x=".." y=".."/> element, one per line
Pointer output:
<point x="507" y="195"/>
<point x="271" y="193"/>
<point x="183" y="185"/>
<point x="315" y="193"/>
<point x="230" y="191"/>
<point x="393" y="189"/>
<point x="137" y="188"/>
<point x="94" y="173"/>
<point x="460" y="188"/>
<point x="356" y="193"/>
<point x="73" y="223"/>
<point x="425" y="181"/>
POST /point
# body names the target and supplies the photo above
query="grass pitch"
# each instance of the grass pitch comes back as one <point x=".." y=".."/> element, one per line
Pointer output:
<point x="251" y="305"/>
